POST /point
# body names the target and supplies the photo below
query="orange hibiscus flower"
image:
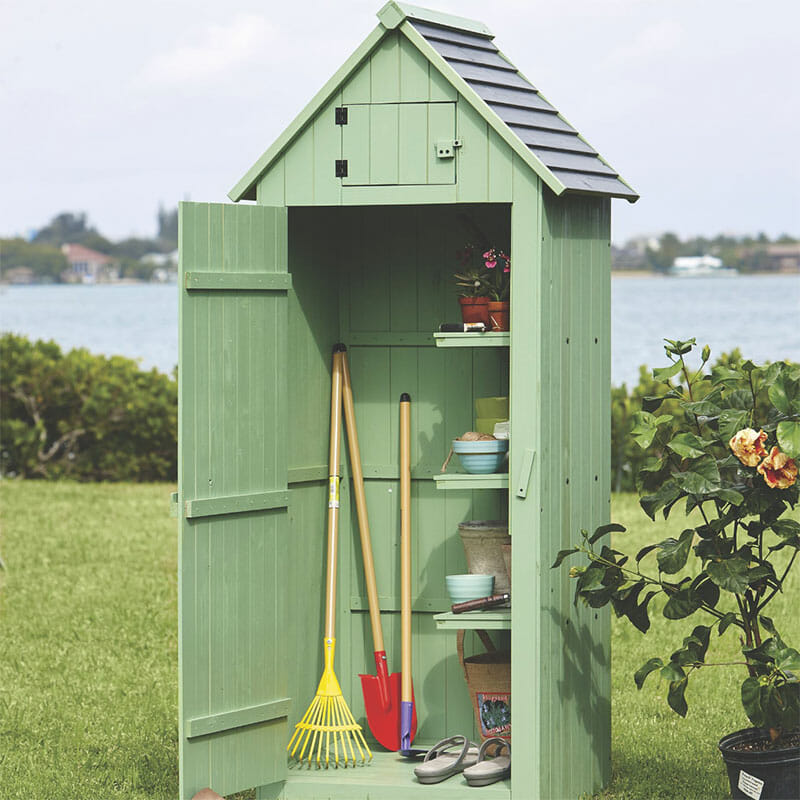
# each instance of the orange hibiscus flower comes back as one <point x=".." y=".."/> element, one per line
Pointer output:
<point x="779" y="471"/>
<point x="748" y="446"/>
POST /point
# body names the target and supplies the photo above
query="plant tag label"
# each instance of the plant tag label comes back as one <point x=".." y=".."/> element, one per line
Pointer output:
<point x="750" y="785"/>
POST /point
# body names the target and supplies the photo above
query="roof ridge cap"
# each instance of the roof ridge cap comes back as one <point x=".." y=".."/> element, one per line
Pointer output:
<point x="393" y="14"/>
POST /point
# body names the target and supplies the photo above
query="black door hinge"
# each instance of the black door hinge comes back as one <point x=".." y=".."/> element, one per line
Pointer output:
<point x="341" y="115"/>
<point x="341" y="168"/>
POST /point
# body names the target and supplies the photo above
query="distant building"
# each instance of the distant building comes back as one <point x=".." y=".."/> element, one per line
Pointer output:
<point x="784" y="257"/>
<point x="89" y="266"/>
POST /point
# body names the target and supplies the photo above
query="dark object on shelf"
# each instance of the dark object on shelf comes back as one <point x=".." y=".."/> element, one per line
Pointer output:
<point x="768" y="774"/>
<point x="481" y="602"/>
<point x="462" y="327"/>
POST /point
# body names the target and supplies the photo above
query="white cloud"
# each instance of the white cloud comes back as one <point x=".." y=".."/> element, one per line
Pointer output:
<point x="218" y="51"/>
<point x="654" y="41"/>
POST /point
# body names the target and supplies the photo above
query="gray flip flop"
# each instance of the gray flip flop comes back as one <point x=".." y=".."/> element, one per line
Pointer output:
<point x="487" y="771"/>
<point x="446" y="758"/>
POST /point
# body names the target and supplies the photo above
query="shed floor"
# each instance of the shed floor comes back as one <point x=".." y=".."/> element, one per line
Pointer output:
<point x="387" y="777"/>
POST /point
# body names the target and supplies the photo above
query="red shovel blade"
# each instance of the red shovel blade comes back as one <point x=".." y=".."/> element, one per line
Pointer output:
<point x="385" y="722"/>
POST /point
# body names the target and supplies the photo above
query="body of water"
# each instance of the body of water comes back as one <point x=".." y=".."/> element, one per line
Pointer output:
<point x="758" y="314"/>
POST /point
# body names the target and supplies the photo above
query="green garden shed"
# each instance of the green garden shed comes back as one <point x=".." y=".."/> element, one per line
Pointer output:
<point x="357" y="216"/>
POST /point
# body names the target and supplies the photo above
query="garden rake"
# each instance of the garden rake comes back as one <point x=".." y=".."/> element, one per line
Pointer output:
<point x="328" y="731"/>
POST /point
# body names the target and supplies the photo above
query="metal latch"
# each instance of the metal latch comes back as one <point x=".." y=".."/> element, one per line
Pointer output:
<point x="341" y="168"/>
<point x="447" y="148"/>
<point x="340" y="115"/>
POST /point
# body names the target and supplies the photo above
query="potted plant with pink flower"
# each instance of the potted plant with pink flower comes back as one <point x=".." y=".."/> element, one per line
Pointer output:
<point x="472" y="284"/>
<point x="498" y="266"/>
<point x="727" y="445"/>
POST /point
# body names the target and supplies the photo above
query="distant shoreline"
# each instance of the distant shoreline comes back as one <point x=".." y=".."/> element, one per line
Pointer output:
<point x="643" y="273"/>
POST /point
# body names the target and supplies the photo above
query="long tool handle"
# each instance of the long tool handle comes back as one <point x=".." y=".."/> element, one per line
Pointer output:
<point x="363" y="529"/>
<point x="333" y="492"/>
<point x="406" y="690"/>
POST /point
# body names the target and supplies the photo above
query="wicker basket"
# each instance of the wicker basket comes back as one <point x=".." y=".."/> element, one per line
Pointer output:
<point x="488" y="677"/>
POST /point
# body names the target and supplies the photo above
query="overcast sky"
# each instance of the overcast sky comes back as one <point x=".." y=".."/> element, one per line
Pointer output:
<point x="114" y="108"/>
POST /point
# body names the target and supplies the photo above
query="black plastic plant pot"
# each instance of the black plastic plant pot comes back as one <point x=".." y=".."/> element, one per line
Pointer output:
<point x="760" y="774"/>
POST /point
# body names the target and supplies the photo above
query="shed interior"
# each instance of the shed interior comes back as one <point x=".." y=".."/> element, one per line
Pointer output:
<point x="380" y="279"/>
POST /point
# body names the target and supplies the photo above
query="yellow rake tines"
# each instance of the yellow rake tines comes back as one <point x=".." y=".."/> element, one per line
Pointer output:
<point x="328" y="722"/>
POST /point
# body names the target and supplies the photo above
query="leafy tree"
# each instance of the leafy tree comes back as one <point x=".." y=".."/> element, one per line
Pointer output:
<point x="168" y="227"/>
<point x="46" y="262"/>
<point x="83" y="416"/>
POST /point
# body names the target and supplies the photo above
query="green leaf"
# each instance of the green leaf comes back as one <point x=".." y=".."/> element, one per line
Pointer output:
<point x="789" y="438"/>
<point x="562" y="554"/>
<point x="786" y="528"/>
<point x="663" y="374"/>
<point x="729" y="574"/>
<point x="672" y="553"/>
<point x="667" y="493"/>
<point x="681" y="604"/>
<point x="679" y="348"/>
<point x="676" y="698"/>
<point x="702" y="408"/>
<point x="726" y="622"/>
<point x="751" y="700"/>
<point x="644" y="551"/>
<point x="702" y="478"/>
<point x="651" y="666"/>
<point x="672" y="672"/>
<point x="687" y="445"/>
<point x="784" y="393"/>
<point x="789" y="660"/>
<point x="644" y="429"/>
<point x="705" y="589"/>
<point x="731" y="421"/>
<point x="614" y="527"/>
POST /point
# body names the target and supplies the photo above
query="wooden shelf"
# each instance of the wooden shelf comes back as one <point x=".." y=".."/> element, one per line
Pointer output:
<point x="462" y="480"/>
<point x="495" y="619"/>
<point x="488" y="339"/>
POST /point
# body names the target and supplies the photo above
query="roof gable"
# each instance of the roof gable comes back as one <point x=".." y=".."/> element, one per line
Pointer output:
<point x="463" y="52"/>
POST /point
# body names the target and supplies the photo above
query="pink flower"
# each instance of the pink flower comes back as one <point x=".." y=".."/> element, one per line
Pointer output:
<point x="491" y="264"/>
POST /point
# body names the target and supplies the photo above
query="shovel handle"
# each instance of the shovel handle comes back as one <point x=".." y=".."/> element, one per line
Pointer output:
<point x="361" y="509"/>
<point x="405" y="544"/>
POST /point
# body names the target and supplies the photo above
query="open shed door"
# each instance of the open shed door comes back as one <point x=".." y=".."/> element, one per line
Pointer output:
<point x="232" y="496"/>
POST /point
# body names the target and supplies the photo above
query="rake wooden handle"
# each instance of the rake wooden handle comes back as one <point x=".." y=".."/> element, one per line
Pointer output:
<point x="333" y="492"/>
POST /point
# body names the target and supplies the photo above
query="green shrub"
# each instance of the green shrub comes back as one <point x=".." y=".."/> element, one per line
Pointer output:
<point x="627" y="458"/>
<point x="83" y="416"/>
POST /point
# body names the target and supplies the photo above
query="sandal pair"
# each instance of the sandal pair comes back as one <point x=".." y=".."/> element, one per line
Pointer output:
<point x="458" y="754"/>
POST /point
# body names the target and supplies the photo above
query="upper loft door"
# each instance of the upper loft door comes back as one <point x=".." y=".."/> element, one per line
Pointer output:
<point x="399" y="144"/>
<point x="232" y="497"/>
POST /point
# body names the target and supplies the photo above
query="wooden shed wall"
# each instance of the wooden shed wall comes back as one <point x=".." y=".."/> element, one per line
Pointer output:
<point x="573" y="661"/>
<point x="395" y="72"/>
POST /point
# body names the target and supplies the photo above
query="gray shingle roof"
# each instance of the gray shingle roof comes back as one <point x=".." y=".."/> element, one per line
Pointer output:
<point x="520" y="106"/>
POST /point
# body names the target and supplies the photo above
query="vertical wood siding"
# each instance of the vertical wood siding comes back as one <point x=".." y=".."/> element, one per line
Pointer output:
<point x="574" y="373"/>
<point x="398" y="107"/>
<point x="231" y="444"/>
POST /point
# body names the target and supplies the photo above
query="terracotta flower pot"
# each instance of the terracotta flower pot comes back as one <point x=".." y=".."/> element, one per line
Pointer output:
<point x="474" y="309"/>
<point x="498" y="313"/>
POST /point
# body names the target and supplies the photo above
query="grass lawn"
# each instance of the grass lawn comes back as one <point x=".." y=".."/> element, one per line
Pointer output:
<point x="88" y="657"/>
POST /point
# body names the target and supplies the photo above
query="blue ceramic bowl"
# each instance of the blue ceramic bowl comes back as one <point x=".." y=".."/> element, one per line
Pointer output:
<point x="481" y="458"/>
<point x="468" y="587"/>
